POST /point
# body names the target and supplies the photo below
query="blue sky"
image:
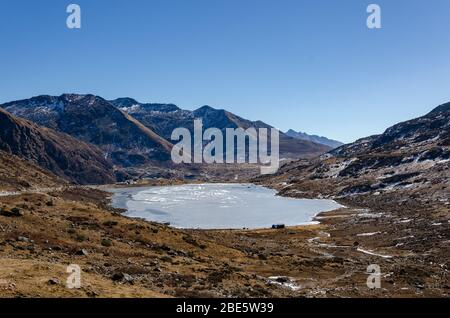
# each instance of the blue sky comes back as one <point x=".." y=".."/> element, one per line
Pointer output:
<point x="308" y="65"/>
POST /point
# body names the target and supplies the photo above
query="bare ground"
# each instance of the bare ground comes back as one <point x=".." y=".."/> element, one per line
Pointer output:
<point x="122" y="257"/>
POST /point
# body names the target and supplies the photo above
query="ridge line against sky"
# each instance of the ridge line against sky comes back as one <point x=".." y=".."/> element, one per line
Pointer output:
<point x="312" y="66"/>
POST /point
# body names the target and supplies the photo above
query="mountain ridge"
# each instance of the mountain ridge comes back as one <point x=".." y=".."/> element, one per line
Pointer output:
<point x="315" y="138"/>
<point x="94" y="120"/>
<point x="136" y="136"/>
<point x="164" y="122"/>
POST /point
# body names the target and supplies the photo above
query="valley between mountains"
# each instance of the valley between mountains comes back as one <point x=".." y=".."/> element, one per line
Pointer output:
<point x="57" y="153"/>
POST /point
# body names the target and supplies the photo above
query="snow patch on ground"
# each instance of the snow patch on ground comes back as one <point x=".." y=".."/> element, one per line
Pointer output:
<point x="337" y="168"/>
<point x="372" y="253"/>
<point x="286" y="282"/>
<point x="368" y="234"/>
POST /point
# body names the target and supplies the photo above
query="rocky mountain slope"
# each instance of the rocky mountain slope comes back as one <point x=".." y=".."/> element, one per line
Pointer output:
<point x="314" y="138"/>
<point x="410" y="156"/>
<point x="18" y="174"/>
<point x="92" y="119"/>
<point x="164" y="118"/>
<point x="396" y="191"/>
<point x="59" y="153"/>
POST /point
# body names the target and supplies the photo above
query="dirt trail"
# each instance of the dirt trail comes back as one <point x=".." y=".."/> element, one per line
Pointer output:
<point x="38" y="190"/>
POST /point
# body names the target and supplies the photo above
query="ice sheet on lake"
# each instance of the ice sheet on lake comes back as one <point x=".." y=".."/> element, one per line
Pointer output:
<point x="218" y="206"/>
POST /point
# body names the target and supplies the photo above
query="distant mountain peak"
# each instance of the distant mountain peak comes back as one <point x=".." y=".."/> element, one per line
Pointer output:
<point x="314" y="138"/>
<point x="125" y="101"/>
<point x="206" y="108"/>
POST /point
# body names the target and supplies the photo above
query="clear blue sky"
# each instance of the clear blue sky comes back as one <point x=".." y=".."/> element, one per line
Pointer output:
<point x="307" y="65"/>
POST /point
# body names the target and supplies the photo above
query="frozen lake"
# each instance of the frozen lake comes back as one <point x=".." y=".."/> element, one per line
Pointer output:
<point x="217" y="206"/>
